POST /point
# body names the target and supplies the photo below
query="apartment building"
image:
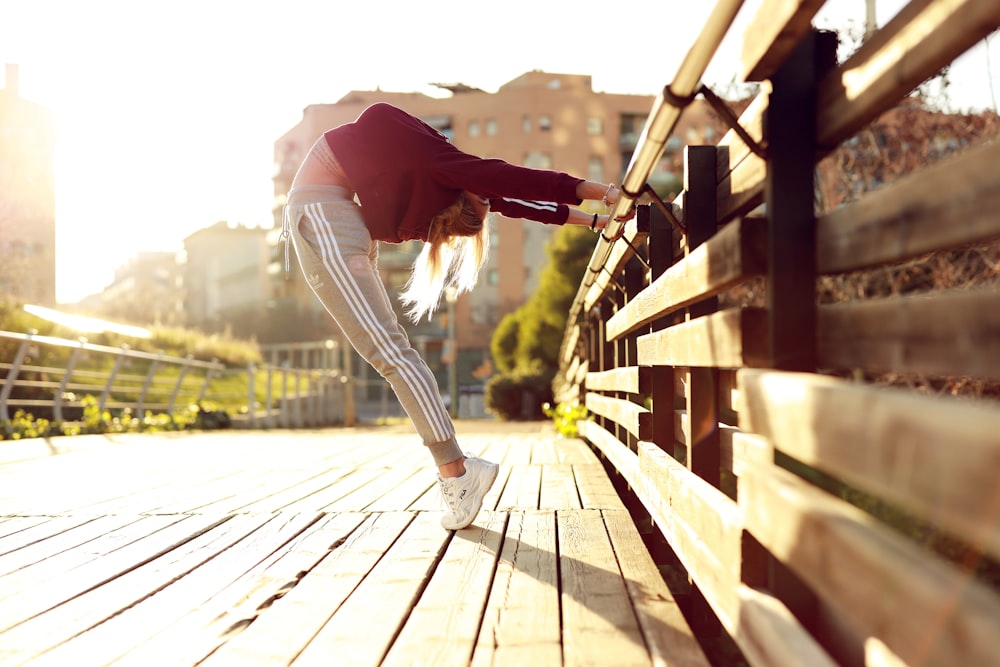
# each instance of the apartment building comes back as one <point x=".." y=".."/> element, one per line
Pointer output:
<point x="27" y="197"/>
<point x="224" y="275"/>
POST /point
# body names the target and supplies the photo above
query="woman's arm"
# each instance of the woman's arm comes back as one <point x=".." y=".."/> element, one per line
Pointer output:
<point x="606" y="192"/>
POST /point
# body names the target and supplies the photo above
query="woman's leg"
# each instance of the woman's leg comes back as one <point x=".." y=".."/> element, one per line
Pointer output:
<point x="334" y="249"/>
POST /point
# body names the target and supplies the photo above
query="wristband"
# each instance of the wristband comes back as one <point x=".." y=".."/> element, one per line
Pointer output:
<point x="593" y="224"/>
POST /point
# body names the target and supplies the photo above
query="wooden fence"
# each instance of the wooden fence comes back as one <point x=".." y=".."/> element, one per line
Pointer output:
<point x="821" y="516"/>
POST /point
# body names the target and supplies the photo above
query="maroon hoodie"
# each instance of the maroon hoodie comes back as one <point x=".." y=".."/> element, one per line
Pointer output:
<point x="404" y="172"/>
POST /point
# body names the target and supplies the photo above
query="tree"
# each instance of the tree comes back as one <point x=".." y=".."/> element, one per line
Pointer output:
<point x="526" y="344"/>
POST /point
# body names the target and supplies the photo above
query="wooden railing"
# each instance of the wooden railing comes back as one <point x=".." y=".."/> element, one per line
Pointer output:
<point x="821" y="516"/>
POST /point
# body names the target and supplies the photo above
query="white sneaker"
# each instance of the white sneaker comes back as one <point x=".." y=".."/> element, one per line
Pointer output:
<point x="463" y="496"/>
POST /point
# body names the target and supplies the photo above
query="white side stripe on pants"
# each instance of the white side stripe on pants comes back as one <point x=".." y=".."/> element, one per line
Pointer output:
<point x="425" y="393"/>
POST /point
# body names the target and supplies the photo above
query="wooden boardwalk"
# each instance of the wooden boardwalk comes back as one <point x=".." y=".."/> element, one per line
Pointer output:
<point x="323" y="548"/>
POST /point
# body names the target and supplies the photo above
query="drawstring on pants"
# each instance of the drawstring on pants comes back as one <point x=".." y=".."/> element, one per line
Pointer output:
<point x="286" y="237"/>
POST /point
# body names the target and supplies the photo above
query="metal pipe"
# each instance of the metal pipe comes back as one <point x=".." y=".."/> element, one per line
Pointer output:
<point x="660" y="124"/>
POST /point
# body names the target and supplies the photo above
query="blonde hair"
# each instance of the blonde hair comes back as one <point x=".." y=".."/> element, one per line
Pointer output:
<point x="456" y="249"/>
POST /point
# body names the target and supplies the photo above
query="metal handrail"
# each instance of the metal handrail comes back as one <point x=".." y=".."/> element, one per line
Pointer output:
<point x="659" y="126"/>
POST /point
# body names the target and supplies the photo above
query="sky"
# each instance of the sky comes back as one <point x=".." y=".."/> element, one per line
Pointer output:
<point x="166" y="113"/>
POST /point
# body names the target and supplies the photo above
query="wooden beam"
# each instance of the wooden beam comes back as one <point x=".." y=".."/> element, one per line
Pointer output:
<point x="953" y="333"/>
<point x="879" y="584"/>
<point x="702" y="525"/>
<point x="772" y="35"/>
<point x="736" y="253"/>
<point x="731" y="338"/>
<point x="633" y="417"/>
<point x="935" y="457"/>
<point x="949" y="204"/>
<point x="917" y="43"/>
<point x="629" y="379"/>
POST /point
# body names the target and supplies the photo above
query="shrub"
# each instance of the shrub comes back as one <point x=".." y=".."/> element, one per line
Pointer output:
<point x="519" y="395"/>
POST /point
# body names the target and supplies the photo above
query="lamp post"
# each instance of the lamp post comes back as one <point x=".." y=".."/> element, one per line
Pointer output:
<point x="451" y="296"/>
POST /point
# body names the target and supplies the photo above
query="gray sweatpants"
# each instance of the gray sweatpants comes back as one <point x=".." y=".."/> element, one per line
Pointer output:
<point x="339" y="260"/>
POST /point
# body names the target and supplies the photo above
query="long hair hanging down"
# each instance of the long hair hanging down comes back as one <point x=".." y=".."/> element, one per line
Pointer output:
<point x="456" y="249"/>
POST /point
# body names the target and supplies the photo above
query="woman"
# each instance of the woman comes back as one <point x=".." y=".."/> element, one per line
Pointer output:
<point x="412" y="183"/>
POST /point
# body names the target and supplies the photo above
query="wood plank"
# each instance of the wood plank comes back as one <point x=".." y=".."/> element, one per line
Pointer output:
<point x="558" y="487"/>
<point x="599" y="624"/>
<point x="523" y="488"/>
<point x="49" y="528"/>
<point x="624" y="460"/>
<point x="924" y="37"/>
<point x="948" y="333"/>
<point x="66" y="565"/>
<point x="879" y="584"/>
<point x="594" y="487"/>
<point x="521" y="621"/>
<point x="636" y="419"/>
<point x="740" y="450"/>
<point x="136" y="623"/>
<point x="739" y="171"/>
<point x="936" y="457"/>
<point x="443" y="626"/>
<point x="47" y="630"/>
<point x="200" y="629"/>
<point x="948" y="204"/>
<point x="666" y="631"/>
<point x="17" y="525"/>
<point x="574" y="450"/>
<point x="773" y="33"/>
<point x="702" y="525"/>
<point x="737" y="252"/>
<point x="728" y="339"/>
<point x="770" y="636"/>
<point x="360" y="632"/>
<point x="626" y="379"/>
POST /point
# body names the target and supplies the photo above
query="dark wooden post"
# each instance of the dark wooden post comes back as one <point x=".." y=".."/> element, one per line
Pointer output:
<point x="661" y="378"/>
<point x="701" y="220"/>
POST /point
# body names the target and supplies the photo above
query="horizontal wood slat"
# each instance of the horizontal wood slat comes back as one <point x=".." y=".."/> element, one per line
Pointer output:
<point x="949" y="204"/>
<point x="633" y="417"/>
<point x="937" y="458"/>
<point x="628" y="379"/>
<point x="954" y="333"/>
<point x="702" y="525"/>
<point x="728" y="339"/>
<point x="917" y="43"/>
<point x="736" y="253"/>
<point x="878" y="584"/>
<point x="775" y="30"/>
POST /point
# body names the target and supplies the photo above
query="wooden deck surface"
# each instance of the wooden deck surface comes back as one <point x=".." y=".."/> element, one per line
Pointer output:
<point x="323" y="548"/>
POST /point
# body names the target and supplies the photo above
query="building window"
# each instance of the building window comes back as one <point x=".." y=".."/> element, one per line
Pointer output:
<point x="545" y="123"/>
<point x="526" y="124"/>
<point x="491" y="127"/>
<point x="595" y="126"/>
<point x="493" y="277"/>
<point x="595" y="168"/>
<point x="538" y="160"/>
<point x="473" y="128"/>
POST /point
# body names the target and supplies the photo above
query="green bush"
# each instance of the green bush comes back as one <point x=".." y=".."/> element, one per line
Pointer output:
<point x="519" y="395"/>
<point x="95" y="421"/>
<point x="565" y="417"/>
